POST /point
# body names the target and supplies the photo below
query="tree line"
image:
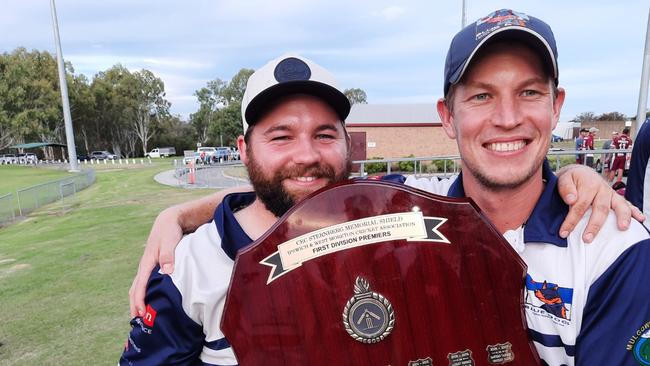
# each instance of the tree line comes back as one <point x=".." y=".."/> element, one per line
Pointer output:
<point x="609" y="116"/>
<point x="119" y="110"/>
<point x="591" y="116"/>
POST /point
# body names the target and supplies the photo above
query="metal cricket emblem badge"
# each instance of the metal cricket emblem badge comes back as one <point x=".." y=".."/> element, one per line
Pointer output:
<point x="368" y="316"/>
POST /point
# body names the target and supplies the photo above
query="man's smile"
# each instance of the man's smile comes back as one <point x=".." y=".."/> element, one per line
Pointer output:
<point x="506" y="146"/>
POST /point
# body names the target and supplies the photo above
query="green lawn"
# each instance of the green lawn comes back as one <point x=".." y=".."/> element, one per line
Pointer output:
<point x="64" y="278"/>
<point x="21" y="176"/>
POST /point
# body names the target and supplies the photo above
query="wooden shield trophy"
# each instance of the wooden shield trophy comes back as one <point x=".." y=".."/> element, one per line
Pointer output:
<point x="374" y="273"/>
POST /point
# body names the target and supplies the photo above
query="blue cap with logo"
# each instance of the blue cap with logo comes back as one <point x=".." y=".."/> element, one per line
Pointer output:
<point x="499" y="25"/>
<point x="286" y="75"/>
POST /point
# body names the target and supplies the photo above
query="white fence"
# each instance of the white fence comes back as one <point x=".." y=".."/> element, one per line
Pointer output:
<point x="125" y="161"/>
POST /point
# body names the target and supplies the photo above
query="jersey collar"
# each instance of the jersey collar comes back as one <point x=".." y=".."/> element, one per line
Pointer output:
<point x="232" y="235"/>
<point x="543" y="225"/>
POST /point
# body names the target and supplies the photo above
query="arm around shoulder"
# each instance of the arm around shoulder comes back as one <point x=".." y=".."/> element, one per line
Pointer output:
<point x="167" y="230"/>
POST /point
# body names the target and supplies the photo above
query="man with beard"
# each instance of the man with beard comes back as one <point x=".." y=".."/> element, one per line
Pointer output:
<point x="294" y="143"/>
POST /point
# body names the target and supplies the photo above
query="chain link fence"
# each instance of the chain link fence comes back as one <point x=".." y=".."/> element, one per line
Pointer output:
<point x="7" y="212"/>
<point x="29" y="199"/>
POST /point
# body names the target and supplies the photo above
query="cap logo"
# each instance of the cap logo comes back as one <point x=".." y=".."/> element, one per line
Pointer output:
<point x="499" y="19"/>
<point x="291" y="69"/>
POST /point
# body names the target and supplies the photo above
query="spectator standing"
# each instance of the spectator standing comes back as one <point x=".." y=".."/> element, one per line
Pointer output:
<point x="624" y="141"/>
<point x="580" y="145"/>
<point x="589" y="145"/>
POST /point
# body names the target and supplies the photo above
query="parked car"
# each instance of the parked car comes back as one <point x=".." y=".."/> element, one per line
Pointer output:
<point x="205" y="154"/>
<point x="556" y="138"/>
<point x="102" y="155"/>
<point x="82" y="156"/>
<point x="188" y="156"/>
<point x="161" y="152"/>
<point x="222" y="153"/>
<point x="8" y="159"/>
<point x="27" y="158"/>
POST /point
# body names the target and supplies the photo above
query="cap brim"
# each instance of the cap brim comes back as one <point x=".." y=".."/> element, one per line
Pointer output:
<point x="332" y="96"/>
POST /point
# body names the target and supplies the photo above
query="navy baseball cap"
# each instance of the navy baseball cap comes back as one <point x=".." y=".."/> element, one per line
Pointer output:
<point x="499" y="25"/>
<point x="290" y="74"/>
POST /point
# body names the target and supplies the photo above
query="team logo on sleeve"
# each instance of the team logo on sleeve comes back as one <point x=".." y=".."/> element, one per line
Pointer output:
<point x="639" y="345"/>
<point x="549" y="299"/>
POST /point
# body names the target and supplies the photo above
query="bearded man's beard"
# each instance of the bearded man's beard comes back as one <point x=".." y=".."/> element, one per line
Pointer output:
<point x="272" y="192"/>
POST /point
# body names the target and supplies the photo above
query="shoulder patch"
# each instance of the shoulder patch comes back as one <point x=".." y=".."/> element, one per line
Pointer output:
<point x="639" y="345"/>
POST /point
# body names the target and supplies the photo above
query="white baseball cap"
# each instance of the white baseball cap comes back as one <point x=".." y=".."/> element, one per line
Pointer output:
<point x="285" y="75"/>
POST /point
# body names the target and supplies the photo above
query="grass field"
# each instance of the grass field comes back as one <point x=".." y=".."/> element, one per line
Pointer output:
<point x="21" y="176"/>
<point x="64" y="278"/>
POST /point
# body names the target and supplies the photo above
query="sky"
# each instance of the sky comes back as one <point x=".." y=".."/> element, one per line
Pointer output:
<point x="393" y="50"/>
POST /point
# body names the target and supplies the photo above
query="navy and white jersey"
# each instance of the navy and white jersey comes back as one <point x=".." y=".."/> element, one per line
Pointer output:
<point x="638" y="178"/>
<point x="585" y="304"/>
<point x="183" y="312"/>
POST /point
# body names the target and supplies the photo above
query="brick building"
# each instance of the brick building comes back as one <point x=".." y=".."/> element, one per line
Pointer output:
<point x="397" y="130"/>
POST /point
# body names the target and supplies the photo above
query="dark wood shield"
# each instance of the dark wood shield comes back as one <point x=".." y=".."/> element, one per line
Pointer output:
<point x="373" y="273"/>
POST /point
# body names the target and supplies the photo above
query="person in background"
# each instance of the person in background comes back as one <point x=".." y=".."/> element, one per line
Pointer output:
<point x="580" y="145"/>
<point x="623" y="141"/>
<point x="588" y="143"/>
